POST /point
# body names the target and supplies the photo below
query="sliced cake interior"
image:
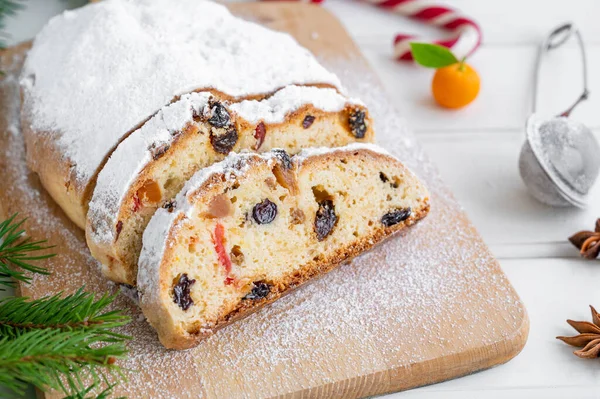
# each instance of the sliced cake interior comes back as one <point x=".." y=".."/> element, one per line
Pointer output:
<point x="246" y="230"/>
<point x="151" y="166"/>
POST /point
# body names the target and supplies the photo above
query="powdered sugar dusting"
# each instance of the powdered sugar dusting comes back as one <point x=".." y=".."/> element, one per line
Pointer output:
<point x="275" y="108"/>
<point x="433" y="291"/>
<point x="116" y="62"/>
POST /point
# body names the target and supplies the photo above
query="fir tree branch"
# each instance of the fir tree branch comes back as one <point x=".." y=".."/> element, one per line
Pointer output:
<point x="17" y="252"/>
<point x="47" y="358"/>
<point x="7" y="8"/>
<point x="102" y="395"/>
<point x="74" y="312"/>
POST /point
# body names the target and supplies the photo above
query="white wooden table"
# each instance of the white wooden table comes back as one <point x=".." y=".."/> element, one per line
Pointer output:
<point x="476" y="150"/>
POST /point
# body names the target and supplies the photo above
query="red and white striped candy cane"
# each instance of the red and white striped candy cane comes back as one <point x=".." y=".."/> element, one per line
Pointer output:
<point x="465" y="33"/>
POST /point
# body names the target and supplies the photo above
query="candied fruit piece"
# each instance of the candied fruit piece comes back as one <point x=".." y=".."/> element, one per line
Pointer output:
<point x="325" y="219"/>
<point x="218" y="238"/>
<point x="137" y="204"/>
<point x="224" y="143"/>
<point x="181" y="292"/>
<point x="264" y="212"/>
<point x="297" y="216"/>
<point x="259" y="134"/>
<point x="236" y="255"/>
<point x="358" y="125"/>
<point x="259" y="290"/>
<point x="396" y="216"/>
<point x="308" y="121"/>
<point x="219" y="207"/>
<point x="150" y="192"/>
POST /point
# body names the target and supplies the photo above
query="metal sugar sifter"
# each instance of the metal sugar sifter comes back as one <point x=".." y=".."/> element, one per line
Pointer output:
<point x="560" y="158"/>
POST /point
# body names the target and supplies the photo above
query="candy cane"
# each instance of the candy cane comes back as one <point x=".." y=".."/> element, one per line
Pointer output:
<point x="465" y="33"/>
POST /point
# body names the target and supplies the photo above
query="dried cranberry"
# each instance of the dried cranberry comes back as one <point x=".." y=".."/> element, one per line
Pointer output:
<point x="220" y="117"/>
<point x="259" y="134"/>
<point x="357" y="123"/>
<point x="119" y="229"/>
<point x="325" y="219"/>
<point x="259" y="291"/>
<point x="284" y="157"/>
<point x="224" y="143"/>
<point x="264" y="212"/>
<point x="396" y="216"/>
<point x="308" y="121"/>
<point x="170" y="206"/>
<point x="181" y="292"/>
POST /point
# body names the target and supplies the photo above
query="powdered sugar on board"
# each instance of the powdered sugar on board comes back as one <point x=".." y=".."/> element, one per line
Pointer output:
<point x="434" y="292"/>
<point x="117" y="62"/>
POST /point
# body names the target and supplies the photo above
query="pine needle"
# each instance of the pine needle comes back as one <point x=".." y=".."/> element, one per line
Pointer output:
<point x="48" y="358"/>
<point x="74" y="312"/>
<point x="17" y="252"/>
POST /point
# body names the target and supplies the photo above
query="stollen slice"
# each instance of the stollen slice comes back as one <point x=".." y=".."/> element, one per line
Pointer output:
<point x="249" y="229"/>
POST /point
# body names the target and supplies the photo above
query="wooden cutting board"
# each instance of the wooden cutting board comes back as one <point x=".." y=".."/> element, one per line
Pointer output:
<point x="426" y="306"/>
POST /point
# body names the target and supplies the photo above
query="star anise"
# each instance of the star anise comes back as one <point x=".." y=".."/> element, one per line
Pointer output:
<point x="588" y="338"/>
<point x="588" y="242"/>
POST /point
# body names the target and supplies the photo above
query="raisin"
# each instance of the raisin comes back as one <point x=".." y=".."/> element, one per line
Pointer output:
<point x="264" y="212"/>
<point x="224" y="143"/>
<point x="325" y="219"/>
<point x="308" y="121"/>
<point x="170" y="206"/>
<point x="357" y="123"/>
<point x="383" y="177"/>
<point x="119" y="229"/>
<point x="396" y="216"/>
<point x="259" y="134"/>
<point x="158" y="150"/>
<point x="181" y="292"/>
<point x="220" y="117"/>
<point x="259" y="291"/>
<point x="284" y="157"/>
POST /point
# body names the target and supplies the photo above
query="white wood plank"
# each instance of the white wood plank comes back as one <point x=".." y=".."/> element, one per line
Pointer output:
<point x="504" y="101"/>
<point x="507" y="21"/>
<point x="552" y="290"/>
<point x="481" y="169"/>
